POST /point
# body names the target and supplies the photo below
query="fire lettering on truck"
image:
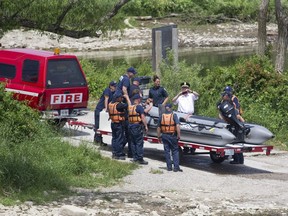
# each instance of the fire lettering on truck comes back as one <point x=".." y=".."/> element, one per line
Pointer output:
<point x="66" y="98"/>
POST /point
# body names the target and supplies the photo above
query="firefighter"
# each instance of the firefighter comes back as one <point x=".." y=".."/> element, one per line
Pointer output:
<point x="124" y="87"/>
<point x="102" y="105"/>
<point x="117" y="110"/>
<point x="238" y="157"/>
<point x="169" y="126"/>
<point x="124" y="81"/>
<point x="137" y="121"/>
<point x="135" y="87"/>
<point x="235" y="102"/>
<point x="230" y="114"/>
<point x="157" y="93"/>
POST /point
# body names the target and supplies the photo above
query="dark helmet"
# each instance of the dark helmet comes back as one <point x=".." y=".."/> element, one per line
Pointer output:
<point x="228" y="93"/>
<point x="228" y="89"/>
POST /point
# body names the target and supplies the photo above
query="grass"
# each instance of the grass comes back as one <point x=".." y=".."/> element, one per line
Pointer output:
<point x="155" y="171"/>
<point x="37" y="165"/>
<point x="49" y="171"/>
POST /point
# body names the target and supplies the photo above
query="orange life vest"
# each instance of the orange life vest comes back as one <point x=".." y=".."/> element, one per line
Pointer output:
<point x="114" y="114"/>
<point x="133" y="116"/>
<point x="167" y="123"/>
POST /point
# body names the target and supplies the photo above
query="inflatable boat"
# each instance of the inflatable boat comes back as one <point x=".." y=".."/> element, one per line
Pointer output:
<point x="211" y="131"/>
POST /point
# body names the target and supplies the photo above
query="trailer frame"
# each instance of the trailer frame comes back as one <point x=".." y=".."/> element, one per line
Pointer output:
<point x="217" y="153"/>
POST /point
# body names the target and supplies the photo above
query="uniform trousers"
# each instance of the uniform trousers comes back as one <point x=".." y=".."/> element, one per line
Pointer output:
<point x="137" y="141"/>
<point x="118" y="138"/>
<point x="97" y="137"/>
<point x="170" y="143"/>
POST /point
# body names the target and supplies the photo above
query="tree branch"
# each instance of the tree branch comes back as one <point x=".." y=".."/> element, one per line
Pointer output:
<point x="112" y="13"/>
<point x="21" y="9"/>
<point x="62" y="31"/>
<point x="63" y="14"/>
<point x="56" y="27"/>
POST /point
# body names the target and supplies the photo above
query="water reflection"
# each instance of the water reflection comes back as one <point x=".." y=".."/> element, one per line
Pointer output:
<point x="207" y="57"/>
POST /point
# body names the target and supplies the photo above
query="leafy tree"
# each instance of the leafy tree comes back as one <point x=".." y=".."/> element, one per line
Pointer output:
<point x="282" y="20"/>
<point x="74" y="18"/>
<point x="262" y="33"/>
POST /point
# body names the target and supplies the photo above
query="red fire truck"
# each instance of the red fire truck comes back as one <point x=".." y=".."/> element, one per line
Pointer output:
<point x="50" y="82"/>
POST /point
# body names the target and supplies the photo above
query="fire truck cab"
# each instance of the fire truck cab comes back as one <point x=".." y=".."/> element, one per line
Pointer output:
<point x="50" y="82"/>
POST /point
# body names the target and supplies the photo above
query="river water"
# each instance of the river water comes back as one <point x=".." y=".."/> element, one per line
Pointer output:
<point x="207" y="57"/>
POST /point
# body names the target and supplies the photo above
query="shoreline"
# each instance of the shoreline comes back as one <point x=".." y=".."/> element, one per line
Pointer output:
<point x="220" y="35"/>
<point x="144" y="53"/>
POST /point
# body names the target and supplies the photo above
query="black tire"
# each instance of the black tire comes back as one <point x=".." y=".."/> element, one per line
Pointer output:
<point x="192" y="150"/>
<point x="216" y="158"/>
<point x="180" y="155"/>
<point x="59" y="123"/>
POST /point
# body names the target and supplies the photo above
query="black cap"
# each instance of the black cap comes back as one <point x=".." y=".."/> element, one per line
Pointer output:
<point x="132" y="70"/>
<point x="113" y="83"/>
<point x="169" y="105"/>
<point x="185" y="84"/>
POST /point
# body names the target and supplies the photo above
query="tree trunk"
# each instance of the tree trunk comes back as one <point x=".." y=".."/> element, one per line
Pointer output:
<point x="282" y="21"/>
<point x="262" y="33"/>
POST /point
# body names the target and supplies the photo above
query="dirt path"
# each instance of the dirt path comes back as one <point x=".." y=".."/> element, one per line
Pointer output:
<point x="205" y="188"/>
<point x="259" y="187"/>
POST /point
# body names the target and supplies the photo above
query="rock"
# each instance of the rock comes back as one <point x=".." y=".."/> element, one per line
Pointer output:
<point x="69" y="210"/>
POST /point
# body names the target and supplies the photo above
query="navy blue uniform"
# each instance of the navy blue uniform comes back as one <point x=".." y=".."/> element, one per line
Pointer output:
<point x="123" y="81"/>
<point x="133" y="88"/>
<point x="158" y="94"/>
<point x="118" y="133"/>
<point x="136" y="137"/>
<point x="99" y="107"/>
<point x="101" y="103"/>
<point x="170" y="143"/>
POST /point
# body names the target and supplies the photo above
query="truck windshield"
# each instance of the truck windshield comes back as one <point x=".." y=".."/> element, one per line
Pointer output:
<point x="64" y="73"/>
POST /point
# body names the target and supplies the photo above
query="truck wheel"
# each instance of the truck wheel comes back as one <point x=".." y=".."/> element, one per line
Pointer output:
<point x="59" y="123"/>
<point x="216" y="158"/>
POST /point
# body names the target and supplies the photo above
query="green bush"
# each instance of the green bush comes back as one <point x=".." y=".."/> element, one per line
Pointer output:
<point x="244" y="10"/>
<point x="240" y="9"/>
<point x="34" y="159"/>
<point x="98" y="78"/>
<point x="262" y="92"/>
<point x="18" y="127"/>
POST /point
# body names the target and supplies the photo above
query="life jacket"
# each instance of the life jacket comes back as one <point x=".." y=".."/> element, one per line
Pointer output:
<point x="133" y="116"/>
<point x="237" y="108"/>
<point x="114" y="114"/>
<point x="168" y="124"/>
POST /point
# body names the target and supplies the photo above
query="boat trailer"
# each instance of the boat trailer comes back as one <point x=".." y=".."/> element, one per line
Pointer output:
<point x="217" y="153"/>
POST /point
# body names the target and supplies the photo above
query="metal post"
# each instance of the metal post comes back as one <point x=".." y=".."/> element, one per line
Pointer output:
<point x="175" y="45"/>
<point x="158" y="52"/>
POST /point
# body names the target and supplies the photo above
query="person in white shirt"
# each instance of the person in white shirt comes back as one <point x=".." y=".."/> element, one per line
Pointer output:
<point x="185" y="99"/>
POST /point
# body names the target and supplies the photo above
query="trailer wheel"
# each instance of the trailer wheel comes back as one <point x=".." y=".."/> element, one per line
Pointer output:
<point x="216" y="158"/>
<point x="180" y="154"/>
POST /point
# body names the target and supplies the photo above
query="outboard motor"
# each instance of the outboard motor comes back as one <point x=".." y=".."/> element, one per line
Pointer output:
<point x="236" y="127"/>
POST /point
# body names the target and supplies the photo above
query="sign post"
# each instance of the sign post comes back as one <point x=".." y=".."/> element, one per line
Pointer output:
<point x="164" y="39"/>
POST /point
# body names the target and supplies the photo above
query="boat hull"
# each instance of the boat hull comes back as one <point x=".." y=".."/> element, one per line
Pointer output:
<point x="200" y="129"/>
<point x="209" y="131"/>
